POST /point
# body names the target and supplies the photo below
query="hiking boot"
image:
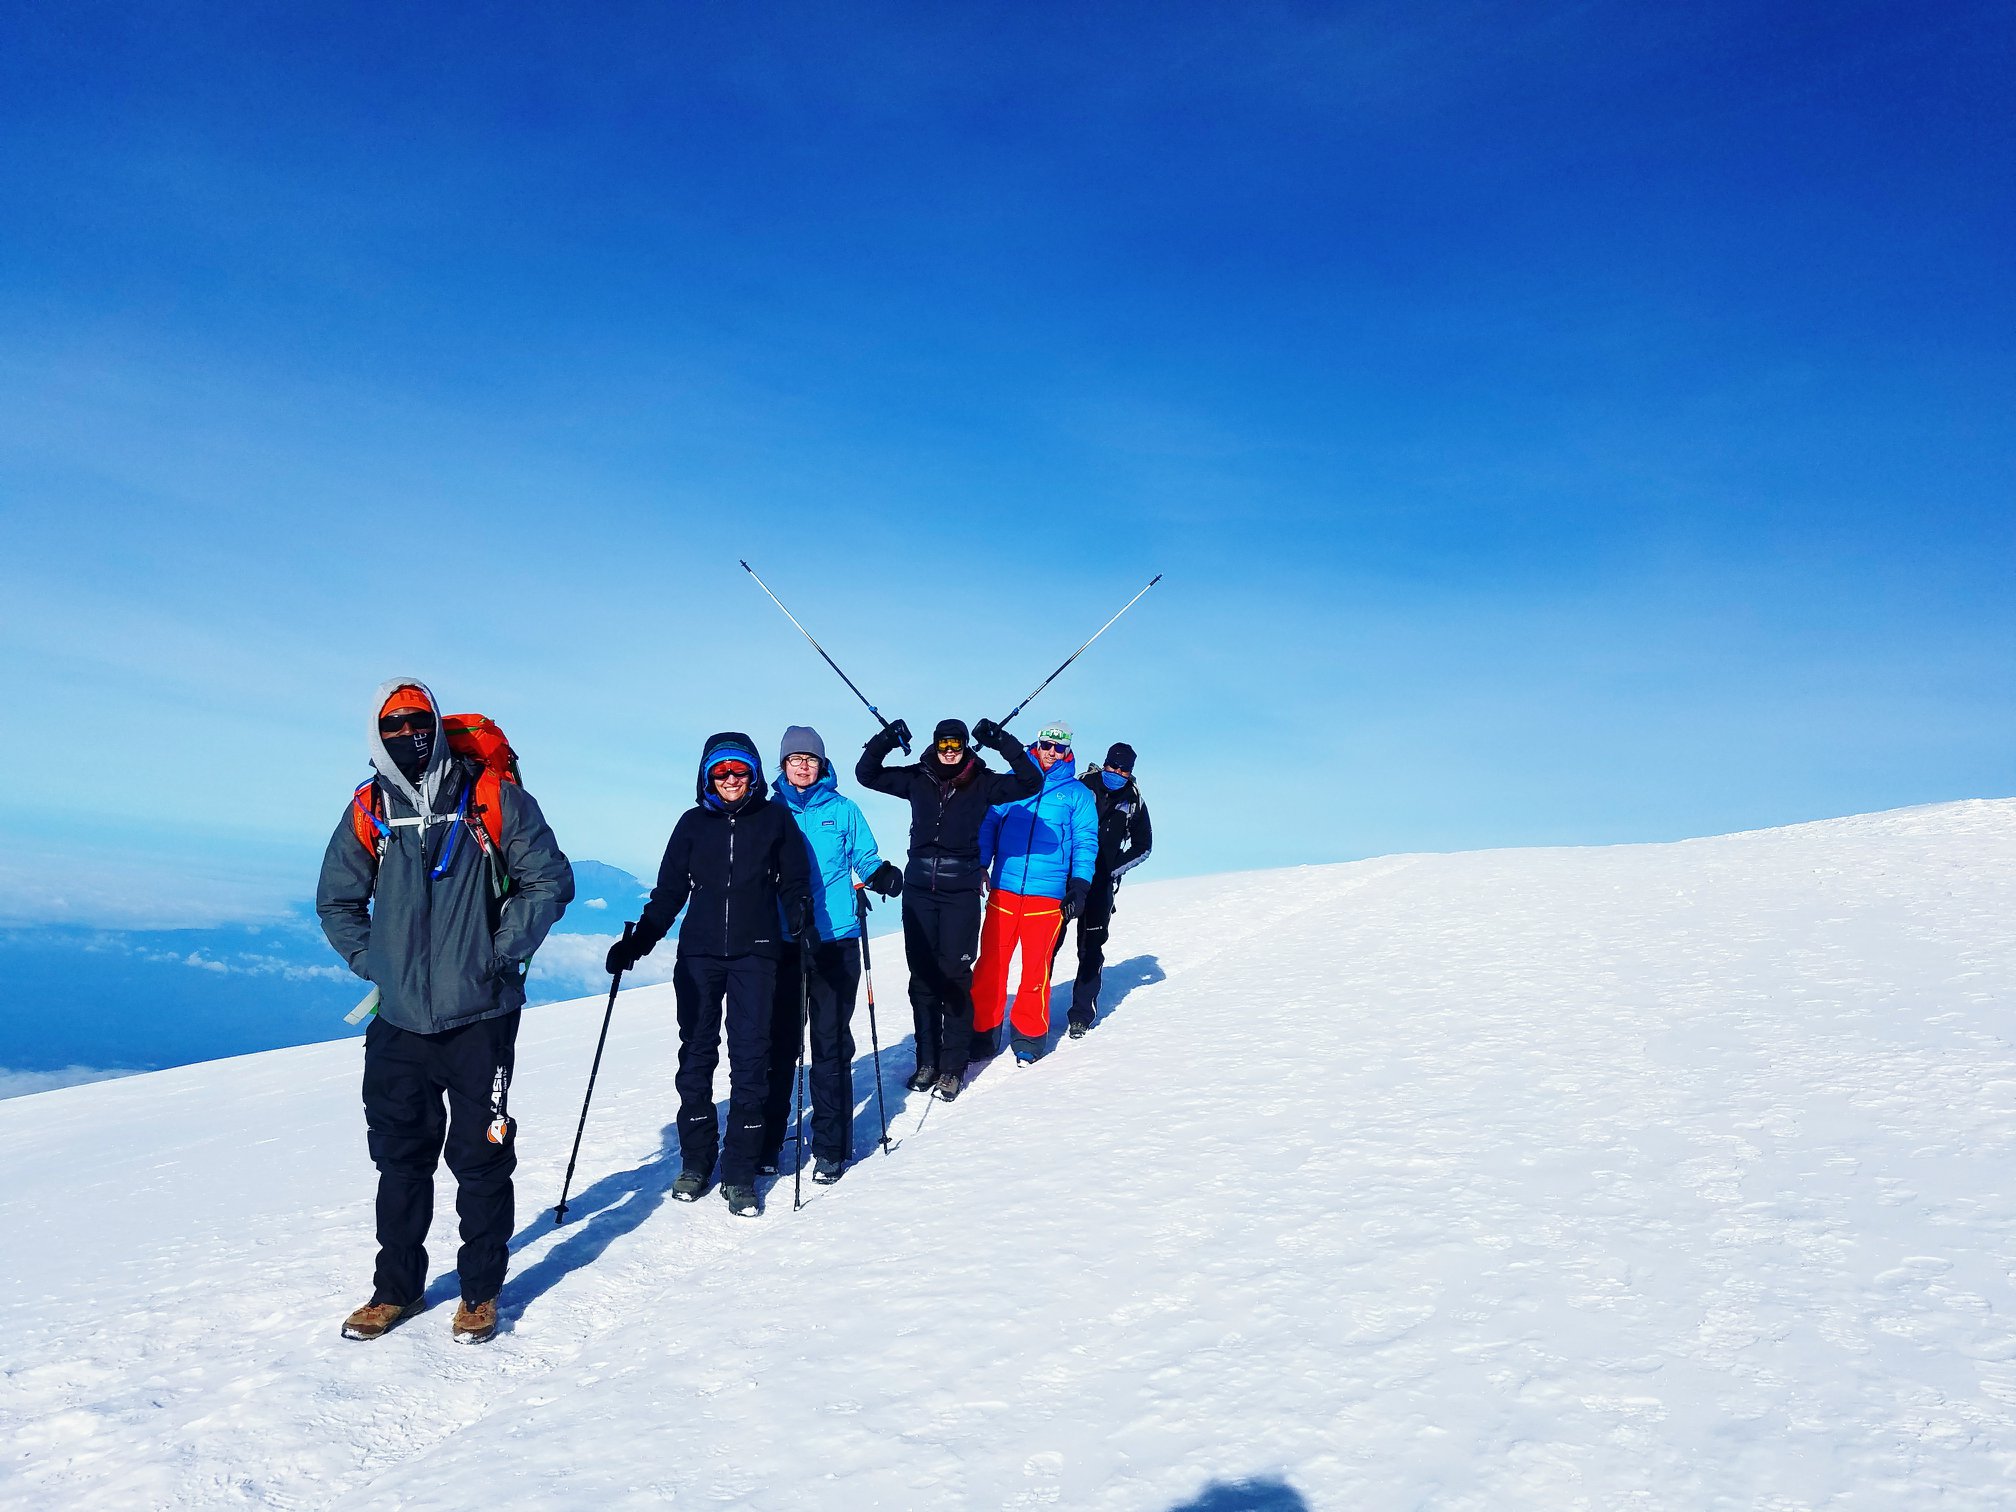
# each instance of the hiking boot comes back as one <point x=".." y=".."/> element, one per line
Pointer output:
<point x="923" y="1079"/>
<point x="826" y="1172"/>
<point x="1080" y="1028"/>
<point x="375" y="1319"/>
<point x="1026" y="1050"/>
<point x="690" y="1186"/>
<point x="949" y="1086"/>
<point x="984" y="1046"/>
<point x="475" y="1325"/>
<point x="741" y="1200"/>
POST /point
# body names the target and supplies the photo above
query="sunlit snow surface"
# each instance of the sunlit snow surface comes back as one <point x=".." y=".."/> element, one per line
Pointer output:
<point x="1648" y="1177"/>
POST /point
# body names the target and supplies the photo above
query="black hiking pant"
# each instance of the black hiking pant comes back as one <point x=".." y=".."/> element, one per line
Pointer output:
<point x="709" y="989"/>
<point x="1093" y="926"/>
<point x="405" y="1077"/>
<point x="941" y="935"/>
<point x="828" y="1002"/>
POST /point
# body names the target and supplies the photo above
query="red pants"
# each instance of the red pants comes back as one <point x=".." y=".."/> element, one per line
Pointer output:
<point x="1033" y="925"/>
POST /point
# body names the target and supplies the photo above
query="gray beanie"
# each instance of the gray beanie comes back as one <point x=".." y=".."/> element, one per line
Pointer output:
<point x="801" y="738"/>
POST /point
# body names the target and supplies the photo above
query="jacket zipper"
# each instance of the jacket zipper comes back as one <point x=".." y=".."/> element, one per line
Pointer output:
<point x="727" y="893"/>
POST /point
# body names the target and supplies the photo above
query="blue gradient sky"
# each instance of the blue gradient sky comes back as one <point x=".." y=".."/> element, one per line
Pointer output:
<point x="1557" y="424"/>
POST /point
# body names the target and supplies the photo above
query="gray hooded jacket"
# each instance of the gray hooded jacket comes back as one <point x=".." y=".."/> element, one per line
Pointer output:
<point x="442" y="951"/>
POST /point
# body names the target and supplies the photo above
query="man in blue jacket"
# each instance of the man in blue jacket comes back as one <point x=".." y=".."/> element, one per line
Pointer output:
<point x="817" y="977"/>
<point x="1042" y="850"/>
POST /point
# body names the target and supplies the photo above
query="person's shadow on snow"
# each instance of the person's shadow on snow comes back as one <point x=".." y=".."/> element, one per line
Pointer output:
<point x="1260" y="1495"/>
<point x="613" y="1206"/>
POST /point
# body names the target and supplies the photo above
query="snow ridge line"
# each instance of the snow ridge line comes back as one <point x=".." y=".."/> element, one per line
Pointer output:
<point x="1361" y="875"/>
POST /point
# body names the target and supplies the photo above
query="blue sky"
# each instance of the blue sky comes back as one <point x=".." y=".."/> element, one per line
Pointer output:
<point x="1556" y="424"/>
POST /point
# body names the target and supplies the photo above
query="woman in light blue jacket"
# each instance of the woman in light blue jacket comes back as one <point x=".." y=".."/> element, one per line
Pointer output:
<point x="819" y="972"/>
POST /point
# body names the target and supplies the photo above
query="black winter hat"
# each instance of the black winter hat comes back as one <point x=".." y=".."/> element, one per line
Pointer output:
<point x="1120" y="756"/>
<point x="952" y="727"/>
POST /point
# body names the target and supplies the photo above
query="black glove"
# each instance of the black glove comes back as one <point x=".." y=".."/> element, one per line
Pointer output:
<point x="804" y="927"/>
<point x="1076" y="891"/>
<point x="624" y="954"/>
<point x="893" y="734"/>
<point x="991" y="734"/>
<point x="886" y="880"/>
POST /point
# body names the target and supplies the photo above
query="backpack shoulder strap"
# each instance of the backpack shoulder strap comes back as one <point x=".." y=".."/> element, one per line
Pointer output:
<point x="367" y="822"/>
<point x="485" y="816"/>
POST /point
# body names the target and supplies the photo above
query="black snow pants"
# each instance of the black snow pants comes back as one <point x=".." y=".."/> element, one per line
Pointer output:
<point x="941" y="935"/>
<point x="1093" y="925"/>
<point x="702" y="986"/>
<point x="405" y="1075"/>
<point x="829" y="990"/>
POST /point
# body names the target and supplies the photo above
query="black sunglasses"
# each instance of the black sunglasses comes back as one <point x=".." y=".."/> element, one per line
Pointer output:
<point x="415" y="720"/>
<point x="1051" y="745"/>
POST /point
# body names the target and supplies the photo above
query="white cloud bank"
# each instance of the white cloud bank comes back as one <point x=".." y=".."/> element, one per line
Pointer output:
<point x="22" y="1083"/>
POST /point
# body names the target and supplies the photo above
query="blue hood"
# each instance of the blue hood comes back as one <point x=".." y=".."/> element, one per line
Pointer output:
<point x="729" y="743"/>
<point x="800" y="799"/>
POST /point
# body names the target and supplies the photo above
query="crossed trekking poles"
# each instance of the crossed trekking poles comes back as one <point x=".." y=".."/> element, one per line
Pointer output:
<point x="804" y="956"/>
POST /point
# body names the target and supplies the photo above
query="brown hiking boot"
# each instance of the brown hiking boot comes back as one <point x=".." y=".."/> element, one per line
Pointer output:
<point x="377" y="1318"/>
<point x="474" y="1325"/>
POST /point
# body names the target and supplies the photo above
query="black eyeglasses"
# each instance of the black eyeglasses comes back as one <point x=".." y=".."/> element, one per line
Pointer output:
<point x="1051" y="745"/>
<point x="415" y="720"/>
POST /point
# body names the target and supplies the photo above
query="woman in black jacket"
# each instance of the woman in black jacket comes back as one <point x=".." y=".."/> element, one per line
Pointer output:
<point x="736" y="864"/>
<point x="949" y="793"/>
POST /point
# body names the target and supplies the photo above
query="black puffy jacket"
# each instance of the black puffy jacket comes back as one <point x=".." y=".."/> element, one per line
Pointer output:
<point x="945" y="812"/>
<point x="733" y="867"/>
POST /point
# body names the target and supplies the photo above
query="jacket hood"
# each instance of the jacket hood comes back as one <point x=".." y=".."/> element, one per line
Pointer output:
<point x="421" y="797"/>
<point x="824" y="787"/>
<point x="1065" y="771"/>
<point x="729" y="743"/>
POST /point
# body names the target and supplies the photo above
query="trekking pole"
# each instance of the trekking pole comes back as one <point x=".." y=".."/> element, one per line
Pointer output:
<point x="615" y="981"/>
<point x="798" y="1078"/>
<point x="874" y="1039"/>
<point x="1069" y="659"/>
<point x="822" y="651"/>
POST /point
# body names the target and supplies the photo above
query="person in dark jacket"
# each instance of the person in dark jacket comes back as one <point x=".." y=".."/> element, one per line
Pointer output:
<point x="816" y="985"/>
<point x="1125" y="838"/>
<point x="949" y="792"/>
<point x="419" y="912"/>
<point x="740" y="861"/>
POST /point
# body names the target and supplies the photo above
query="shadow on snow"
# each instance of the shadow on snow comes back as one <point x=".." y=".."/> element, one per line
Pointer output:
<point x="1260" y="1495"/>
<point x="620" y="1203"/>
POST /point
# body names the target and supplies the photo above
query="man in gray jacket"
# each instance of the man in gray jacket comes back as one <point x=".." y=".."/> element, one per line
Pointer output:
<point x="418" y="899"/>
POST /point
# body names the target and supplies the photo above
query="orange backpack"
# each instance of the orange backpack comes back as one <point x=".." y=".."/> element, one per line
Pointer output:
<point x="483" y="806"/>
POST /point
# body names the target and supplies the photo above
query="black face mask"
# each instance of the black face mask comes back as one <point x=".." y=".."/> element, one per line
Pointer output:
<point x="409" y="752"/>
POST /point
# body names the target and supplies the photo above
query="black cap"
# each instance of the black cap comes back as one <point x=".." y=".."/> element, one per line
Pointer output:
<point x="1120" y="756"/>
<point x="947" y="727"/>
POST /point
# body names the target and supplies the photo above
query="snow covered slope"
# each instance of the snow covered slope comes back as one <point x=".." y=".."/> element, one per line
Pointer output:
<point x="1648" y="1177"/>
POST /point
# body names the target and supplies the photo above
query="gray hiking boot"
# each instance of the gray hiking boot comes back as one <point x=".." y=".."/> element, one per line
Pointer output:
<point x="741" y="1200"/>
<point x="826" y="1172"/>
<point x="690" y="1186"/>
